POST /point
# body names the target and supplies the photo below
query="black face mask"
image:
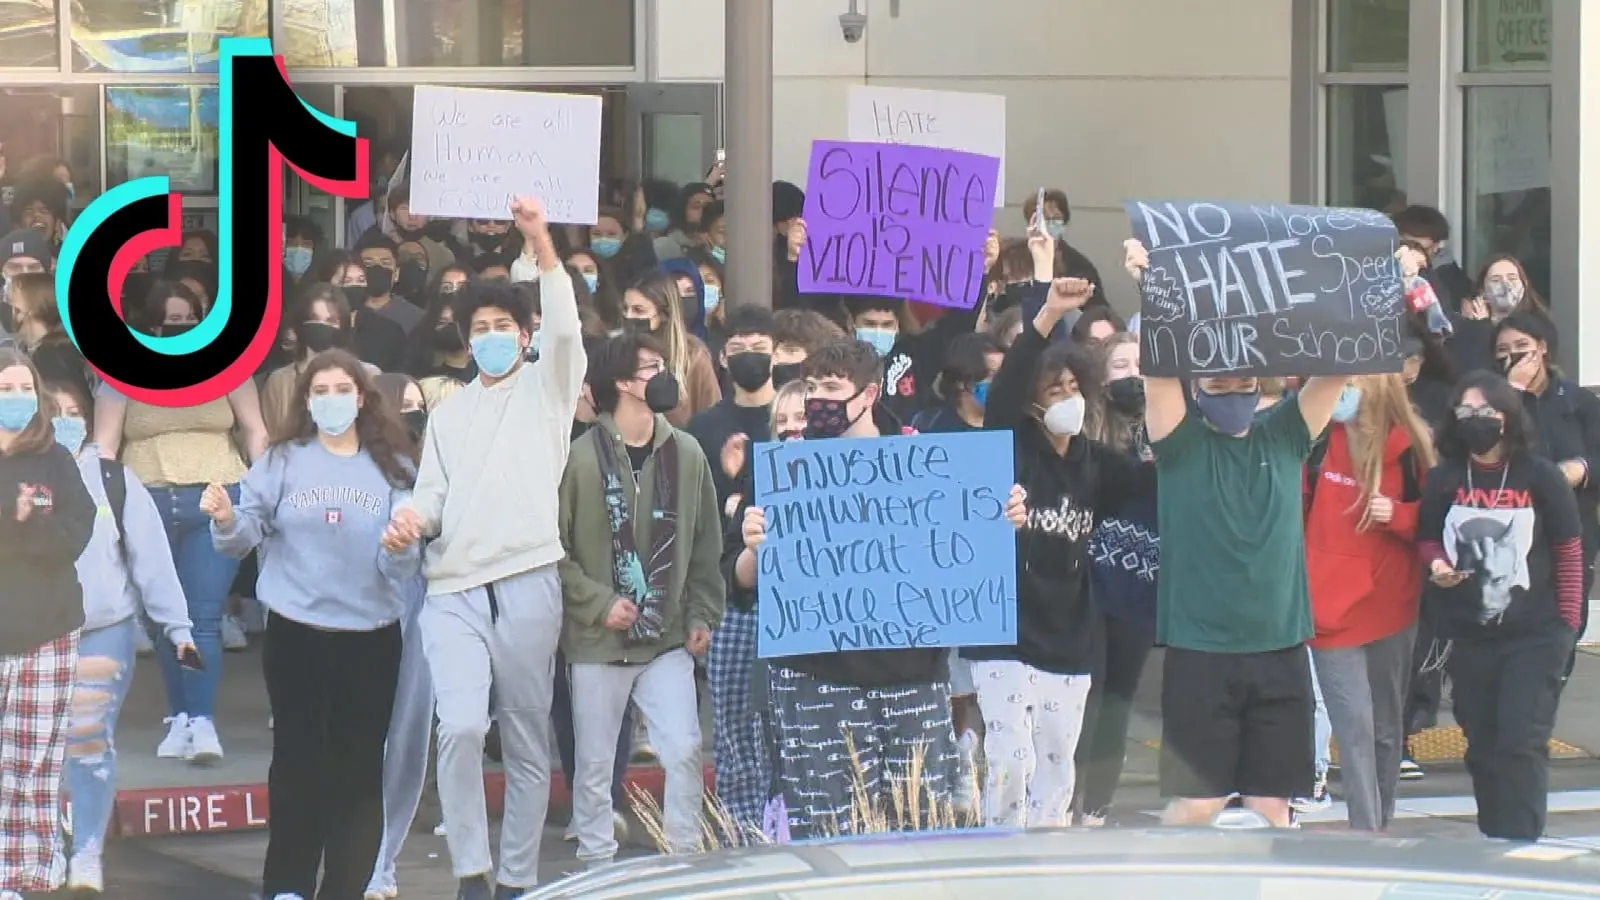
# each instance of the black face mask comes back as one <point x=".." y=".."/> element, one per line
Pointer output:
<point x="380" y="281"/>
<point x="1480" y="434"/>
<point x="661" y="393"/>
<point x="1126" y="395"/>
<point x="416" y="422"/>
<point x="317" y="336"/>
<point x="485" y="243"/>
<point x="173" y="329"/>
<point x="447" y="338"/>
<point x="1011" y="296"/>
<point x="639" y="325"/>
<point x="750" y="370"/>
<point x="413" y="280"/>
<point x="783" y="373"/>
<point x="438" y="229"/>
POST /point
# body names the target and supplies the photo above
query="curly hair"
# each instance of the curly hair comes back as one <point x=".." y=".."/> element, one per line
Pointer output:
<point x="377" y="422"/>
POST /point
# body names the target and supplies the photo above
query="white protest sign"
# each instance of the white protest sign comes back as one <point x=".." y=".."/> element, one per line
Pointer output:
<point x="946" y="120"/>
<point x="473" y="150"/>
<point x="1510" y="132"/>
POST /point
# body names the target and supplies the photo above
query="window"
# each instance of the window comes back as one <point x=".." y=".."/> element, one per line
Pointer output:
<point x="1367" y="146"/>
<point x="41" y="127"/>
<point x="28" y="35"/>
<point x="1507" y="183"/>
<point x="168" y="131"/>
<point x="1368" y="35"/>
<point x="457" y="33"/>
<point x="1505" y="134"/>
<point x="151" y="37"/>
<point x="1508" y="35"/>
<point x="1365" y="93"/>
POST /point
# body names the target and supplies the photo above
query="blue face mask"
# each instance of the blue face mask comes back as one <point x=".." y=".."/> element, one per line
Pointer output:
<point x="495" y="352"/>
<point x="882" y="340"/>
<point x="605" y="247"/>
<point x="17" y="410"/>
<point x="1230" y="414"/>
<point x="71" y="432"/>
<point x="720" y="254"/>
<point x="657" y="220"/>
<point x="592" y="279"/>
<point x="980" y="394"/>
<point x="1056" y="228"/>
<point x="713" y="297"/>
<point x="334" y="413"/>
<point x="1349" y="404"/>
<point x="297" y="260"/>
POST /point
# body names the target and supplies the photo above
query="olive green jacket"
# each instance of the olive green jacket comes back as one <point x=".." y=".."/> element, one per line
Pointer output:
<point x="695" y="594"/>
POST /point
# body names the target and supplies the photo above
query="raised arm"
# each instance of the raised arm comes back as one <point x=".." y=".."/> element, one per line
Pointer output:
<point x="1164" y="402"/>
<point x="1318" y="397"/>
<point x="561" y="362"/>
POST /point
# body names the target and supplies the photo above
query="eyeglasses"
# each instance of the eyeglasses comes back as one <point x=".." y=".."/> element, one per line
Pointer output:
<point x="650" y="370"/>
<point x="1477" y="412"/>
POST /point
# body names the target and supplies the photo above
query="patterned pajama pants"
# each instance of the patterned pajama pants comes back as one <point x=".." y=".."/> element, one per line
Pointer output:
<point x="744" y="770"/>
<point x="832" y="738"/>
<point x="35" y="699"/>
<point x="1032" y="720"/>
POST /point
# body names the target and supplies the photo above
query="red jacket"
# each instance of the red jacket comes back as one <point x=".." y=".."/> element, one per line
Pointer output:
<point x="1365" y="585"/>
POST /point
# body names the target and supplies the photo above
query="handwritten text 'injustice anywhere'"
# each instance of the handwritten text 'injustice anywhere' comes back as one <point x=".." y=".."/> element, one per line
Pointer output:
<point x="858" y="507"/>
<point x="899" y="204"/>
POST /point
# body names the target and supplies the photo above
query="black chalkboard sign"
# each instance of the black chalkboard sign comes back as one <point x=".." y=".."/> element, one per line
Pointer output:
<point x="1260" y="289"/>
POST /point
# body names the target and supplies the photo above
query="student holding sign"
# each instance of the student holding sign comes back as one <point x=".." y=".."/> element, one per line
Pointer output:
<point x="854" y="726"/>
<point x="1233" y="609"/>
<point x="1033" y="694"/>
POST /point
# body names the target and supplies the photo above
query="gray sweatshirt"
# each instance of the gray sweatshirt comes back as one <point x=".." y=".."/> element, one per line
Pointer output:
<point x="113" y="591"/>
<point x="317" y="519"/>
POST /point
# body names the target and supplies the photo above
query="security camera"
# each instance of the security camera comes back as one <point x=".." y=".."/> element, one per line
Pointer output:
<point x="854" y="26"/>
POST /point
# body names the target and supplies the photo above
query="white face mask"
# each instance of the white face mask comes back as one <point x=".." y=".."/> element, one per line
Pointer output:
<point x="1064" y="418"/>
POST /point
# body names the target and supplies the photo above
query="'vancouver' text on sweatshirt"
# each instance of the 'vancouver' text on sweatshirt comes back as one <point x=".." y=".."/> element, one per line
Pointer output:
<point x="318" y="521"/>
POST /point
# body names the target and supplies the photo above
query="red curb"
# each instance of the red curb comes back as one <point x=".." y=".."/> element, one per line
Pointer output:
<point x="213" y="809"/>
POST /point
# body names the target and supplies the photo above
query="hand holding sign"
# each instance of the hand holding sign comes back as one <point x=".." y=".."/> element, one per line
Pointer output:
<point x="1017" y="507"/>
<point x="796" y="238"/>
<point x="1135" y="258"/>
<point x="529" y="215"/>
<point x="754" y="528"/>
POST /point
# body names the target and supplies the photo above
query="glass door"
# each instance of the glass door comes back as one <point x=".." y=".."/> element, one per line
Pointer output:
<point x="300" y="198"/>
<point x="674" y="130"/>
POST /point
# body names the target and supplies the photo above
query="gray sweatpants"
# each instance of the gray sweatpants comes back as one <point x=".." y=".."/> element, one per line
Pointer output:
<point x="663" y="691"/>
<point x="470" y="648"/>
<point x="1365" y="689"/>
<point x="405" y="753"/>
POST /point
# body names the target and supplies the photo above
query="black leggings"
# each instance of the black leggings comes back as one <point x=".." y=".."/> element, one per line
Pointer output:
<point x="1103" y="746"/>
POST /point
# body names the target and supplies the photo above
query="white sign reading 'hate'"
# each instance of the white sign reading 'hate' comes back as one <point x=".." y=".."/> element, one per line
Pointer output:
<point x="473" y="151"/>
<point x="946" y="120"/>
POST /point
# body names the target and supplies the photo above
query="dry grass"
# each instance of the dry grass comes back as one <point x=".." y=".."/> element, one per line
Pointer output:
<point x="909" y="806"/>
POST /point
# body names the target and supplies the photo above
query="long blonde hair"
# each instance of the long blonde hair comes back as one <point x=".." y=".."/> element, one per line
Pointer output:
<point x="1385" y="405"/>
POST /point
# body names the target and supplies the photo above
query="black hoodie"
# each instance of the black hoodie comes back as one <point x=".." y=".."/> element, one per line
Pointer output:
<point x="1067" y="495"/>
<point x="40" y="599"/>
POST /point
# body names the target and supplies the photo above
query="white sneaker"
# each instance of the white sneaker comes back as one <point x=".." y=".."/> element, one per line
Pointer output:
<point x="438" y="830"/>
<point x="205" y="748"/>
<point x="288" y="897"/>
<point x="381" y="893"/>
<point x="176" y="744"/>
<point x="233" y="636"/>
<point x="571" y="834"/>
<point x="86" y="874"/>
<point x="11" y="895"/>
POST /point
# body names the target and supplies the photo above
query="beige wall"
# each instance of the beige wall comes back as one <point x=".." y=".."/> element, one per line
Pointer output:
<point x="1106" y="99"/>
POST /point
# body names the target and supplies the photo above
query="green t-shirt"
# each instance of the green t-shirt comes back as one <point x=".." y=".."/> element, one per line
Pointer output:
<point x="1233" y="549"/>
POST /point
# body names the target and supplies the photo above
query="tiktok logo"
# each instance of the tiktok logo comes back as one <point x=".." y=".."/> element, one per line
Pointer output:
<point x="128" y="222"/>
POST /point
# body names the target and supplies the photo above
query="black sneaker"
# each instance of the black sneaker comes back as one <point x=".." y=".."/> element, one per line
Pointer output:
<point x="1409" y="770"/>
<point x="475" y="888"/>
<point x="507" y="892"/>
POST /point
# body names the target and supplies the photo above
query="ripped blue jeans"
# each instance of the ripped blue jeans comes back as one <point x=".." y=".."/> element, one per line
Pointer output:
<point x="105" y="670"/>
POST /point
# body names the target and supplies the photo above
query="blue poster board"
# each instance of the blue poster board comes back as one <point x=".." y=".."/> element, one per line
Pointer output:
<point x="886" y="543"/>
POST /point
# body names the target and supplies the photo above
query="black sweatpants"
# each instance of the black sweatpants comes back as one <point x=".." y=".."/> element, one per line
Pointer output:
<point x="1103" y="746"/>
<point x="332" y="693"/>
<point x="1506" y="692"/>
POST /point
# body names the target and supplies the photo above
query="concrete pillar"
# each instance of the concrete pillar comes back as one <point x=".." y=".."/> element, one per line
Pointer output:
<point x="1575" y="201"/>
<point x="747" y="79"/>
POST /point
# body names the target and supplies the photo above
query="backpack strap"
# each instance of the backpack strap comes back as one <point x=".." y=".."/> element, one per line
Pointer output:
<point x="116" y="482"/>
<point x="1319" y="452"/>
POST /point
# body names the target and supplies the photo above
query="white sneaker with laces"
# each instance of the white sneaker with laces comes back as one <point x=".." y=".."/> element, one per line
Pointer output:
<point x="205" y="748"/>
<point x="233" y="636"/>
<point x="176" y="744"/>
<point x="86" y="873"/>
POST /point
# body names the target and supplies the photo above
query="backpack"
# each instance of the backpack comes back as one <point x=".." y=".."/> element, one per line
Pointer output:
<point x="116" y="482"/>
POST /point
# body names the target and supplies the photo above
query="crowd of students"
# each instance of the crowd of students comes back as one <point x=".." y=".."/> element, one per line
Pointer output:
<point x="496" y="466"/>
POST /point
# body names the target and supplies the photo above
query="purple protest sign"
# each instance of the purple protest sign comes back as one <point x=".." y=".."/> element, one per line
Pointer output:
<point x="892" y="220"/>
